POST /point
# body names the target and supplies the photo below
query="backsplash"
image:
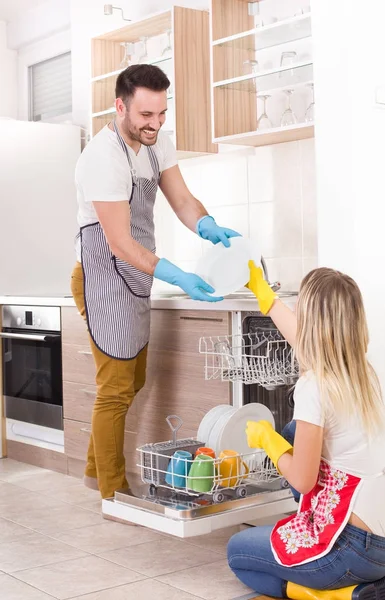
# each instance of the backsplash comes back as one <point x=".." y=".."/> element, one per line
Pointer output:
<point x="267" y="194"/>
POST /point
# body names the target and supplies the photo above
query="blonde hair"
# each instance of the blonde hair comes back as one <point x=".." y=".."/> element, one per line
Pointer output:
<point x="332" y="341"/>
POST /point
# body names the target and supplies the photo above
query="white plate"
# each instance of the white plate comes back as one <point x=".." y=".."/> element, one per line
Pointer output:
<point x="210" y="419"/>
<point x="233" y="433"/>
<point x="226" y="269"/>
<point x="216" y="431"/>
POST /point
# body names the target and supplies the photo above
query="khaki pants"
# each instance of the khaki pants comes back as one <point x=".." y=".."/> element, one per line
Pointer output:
<point x="118" y="381"/>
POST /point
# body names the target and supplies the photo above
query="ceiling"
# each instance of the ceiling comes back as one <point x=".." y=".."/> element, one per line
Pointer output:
<point x="13" y="9"/>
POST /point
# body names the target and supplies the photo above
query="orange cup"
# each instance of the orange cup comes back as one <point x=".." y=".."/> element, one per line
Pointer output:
<point x="207" y="451"/>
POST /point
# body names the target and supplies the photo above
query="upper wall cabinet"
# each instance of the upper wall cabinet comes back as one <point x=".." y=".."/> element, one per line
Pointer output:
<point x="178" y="42"/>
<point x="262" y="71"/>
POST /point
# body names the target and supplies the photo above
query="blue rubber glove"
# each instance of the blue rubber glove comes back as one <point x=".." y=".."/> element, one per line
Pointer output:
<point x="192" y="284"/>
<point x="207" y="229"/>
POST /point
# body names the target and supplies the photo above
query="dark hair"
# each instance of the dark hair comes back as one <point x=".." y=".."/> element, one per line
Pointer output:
<point x="136" y="76"/>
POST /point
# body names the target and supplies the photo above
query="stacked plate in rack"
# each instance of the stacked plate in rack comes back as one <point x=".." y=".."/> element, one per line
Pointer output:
<point x="224" y="427"/>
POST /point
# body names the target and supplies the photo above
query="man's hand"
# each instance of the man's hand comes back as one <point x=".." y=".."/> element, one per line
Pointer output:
<point x="208" y="230"/>
<point x="192" y="284"/>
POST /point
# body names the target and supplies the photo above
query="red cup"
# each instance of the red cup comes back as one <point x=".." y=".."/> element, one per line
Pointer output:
<point x="207" y="451"/>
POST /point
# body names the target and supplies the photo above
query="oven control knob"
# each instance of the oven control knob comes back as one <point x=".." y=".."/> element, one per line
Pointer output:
<point x="38" y="322"/>
<point x="18" y="321"/>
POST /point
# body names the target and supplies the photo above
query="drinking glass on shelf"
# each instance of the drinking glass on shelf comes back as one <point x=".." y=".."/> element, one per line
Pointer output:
<point x="288" y="59"/>
<point x="264" y="121"/>
<point x="309" y="114"/>
<point x="288" y="116"/>
<point x="251" y="66"/>
<point x="168" y="48"/>
<point x="129" y="51"/>
<point x="143" y="58"/>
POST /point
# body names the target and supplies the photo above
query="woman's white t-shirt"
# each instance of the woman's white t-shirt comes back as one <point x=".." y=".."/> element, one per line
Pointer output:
<point x="103" y="175"/>
<point x="347" y="447"/>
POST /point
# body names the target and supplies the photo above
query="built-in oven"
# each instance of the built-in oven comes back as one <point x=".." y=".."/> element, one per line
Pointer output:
<point x="32" y="365"/>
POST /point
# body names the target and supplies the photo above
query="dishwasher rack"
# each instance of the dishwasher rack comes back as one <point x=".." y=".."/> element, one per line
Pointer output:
<point x="155" y="460"/>
<point x="262" y="357"/>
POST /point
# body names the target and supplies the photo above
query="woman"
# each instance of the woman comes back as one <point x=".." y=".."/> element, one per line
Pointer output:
<point x="336" y="541"/>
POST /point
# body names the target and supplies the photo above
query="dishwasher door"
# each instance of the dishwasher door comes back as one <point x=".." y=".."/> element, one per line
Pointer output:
<point x="184" y="516"/>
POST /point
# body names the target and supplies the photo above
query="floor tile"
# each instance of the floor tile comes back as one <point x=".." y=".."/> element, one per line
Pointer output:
<point x="211" y="582"/>
<point x="15" y="500"/>
<point x="77" y="577"/>
<point x="217" y="540"/>
<point x="10" y="468"/>
<point x="45" y="481"/>
<point x="108" y="536"/>
<point x="60" y="517"/>
<point x="76" y="494"/>
<point x="160" y="557"/>
<point x="12" y="589"/>
<point x="10" y="531"/>
<point x="143" y="590"/>
<point x="34" y="550"/>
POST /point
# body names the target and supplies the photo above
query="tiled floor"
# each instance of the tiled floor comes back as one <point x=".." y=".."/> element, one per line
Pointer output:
<point x="54" y="543"/>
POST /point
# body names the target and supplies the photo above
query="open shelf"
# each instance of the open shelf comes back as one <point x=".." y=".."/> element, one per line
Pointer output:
<point x="278" y="135"/>
<point x="156" y="61"/>
<point x="260" y="38"/>
<point x="283" y="77"/>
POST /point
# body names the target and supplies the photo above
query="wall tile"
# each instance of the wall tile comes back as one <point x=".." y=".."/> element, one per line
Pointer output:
<point x="288" y="271"/>
<point x="277" y="227"/>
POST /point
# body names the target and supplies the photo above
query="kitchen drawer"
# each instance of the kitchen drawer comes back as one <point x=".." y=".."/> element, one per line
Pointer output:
<point x="78" y="401"/>
<point x="77" y="436"/>
<point x="78" y="364"/>
<point x="74" y="327"/>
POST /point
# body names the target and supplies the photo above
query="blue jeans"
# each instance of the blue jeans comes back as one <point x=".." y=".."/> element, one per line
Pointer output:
<point x="288" y="432"/>
<point x="356" y="557"/>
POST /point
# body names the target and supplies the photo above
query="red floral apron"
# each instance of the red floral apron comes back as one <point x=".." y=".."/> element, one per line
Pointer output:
<point x="321" y="516"/>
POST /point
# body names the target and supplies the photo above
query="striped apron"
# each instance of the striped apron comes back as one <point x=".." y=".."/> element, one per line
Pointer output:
<point x="117" y="295"/>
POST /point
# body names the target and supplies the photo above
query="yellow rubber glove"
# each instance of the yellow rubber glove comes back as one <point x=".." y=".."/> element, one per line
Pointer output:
<point x="260" y="434"/>
<point x="261" y="288"/>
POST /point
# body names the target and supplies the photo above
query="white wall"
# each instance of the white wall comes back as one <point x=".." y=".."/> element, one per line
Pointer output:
<point x="38" y="207"/>
<point x="8" y="76"/>
<point x="350" y="150"/>
<point x="267" y="194"/>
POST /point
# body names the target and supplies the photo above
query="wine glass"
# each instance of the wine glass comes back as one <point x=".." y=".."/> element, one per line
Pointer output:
<point x="288" y="116"/>
<point x="309" y="114"/>
<point x="129" y="51"/>
<point x="143" y="57"/>
<point x="264" y="121"/>
<point x="168" y="47"/>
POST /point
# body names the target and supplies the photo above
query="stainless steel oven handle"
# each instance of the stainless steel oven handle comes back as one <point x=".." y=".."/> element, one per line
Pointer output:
<point x="27" y="336"/>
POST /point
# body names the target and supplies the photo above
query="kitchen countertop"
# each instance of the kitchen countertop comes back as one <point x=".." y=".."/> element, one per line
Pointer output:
<point x="241" y="301"/>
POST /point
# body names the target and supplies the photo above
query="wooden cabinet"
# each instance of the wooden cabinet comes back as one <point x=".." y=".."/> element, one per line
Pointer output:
<point x="175" y="373"/>
<point x="175" y="382"/>
<point x="177" y="41"/>
<point x="262" y="67"/>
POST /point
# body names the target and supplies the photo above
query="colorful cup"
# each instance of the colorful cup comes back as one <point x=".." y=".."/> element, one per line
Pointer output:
<point x="178" y="468"/>
<point x="232" y="470"/>
<point x="205" y="450"/>
<point x="201" y="476"/>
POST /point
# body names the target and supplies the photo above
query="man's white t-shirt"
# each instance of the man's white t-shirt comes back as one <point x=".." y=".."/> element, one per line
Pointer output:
<point x="347" y="447"/>
<point x="103" y="174"/>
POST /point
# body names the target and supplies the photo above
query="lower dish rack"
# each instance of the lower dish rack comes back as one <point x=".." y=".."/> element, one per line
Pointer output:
<point x="253" y="468"/>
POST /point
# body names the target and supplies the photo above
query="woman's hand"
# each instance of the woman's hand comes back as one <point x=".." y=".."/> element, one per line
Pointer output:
<point x="261" y="288"/>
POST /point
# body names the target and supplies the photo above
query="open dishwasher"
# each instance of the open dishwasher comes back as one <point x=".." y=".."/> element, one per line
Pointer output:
<point x="259" y="356"/>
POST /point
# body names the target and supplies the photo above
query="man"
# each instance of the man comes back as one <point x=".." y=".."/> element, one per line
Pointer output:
<point x="117" y="177"/>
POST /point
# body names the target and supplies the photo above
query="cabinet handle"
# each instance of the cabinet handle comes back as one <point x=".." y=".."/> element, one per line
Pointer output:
<point x="88" y="392"/>
<point x="210" y="319"/>
<point x="86" y="352"/>
<point x="87" y="430"/>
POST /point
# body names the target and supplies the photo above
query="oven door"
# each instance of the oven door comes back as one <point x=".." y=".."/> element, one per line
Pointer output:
<point x="32" y="377"/>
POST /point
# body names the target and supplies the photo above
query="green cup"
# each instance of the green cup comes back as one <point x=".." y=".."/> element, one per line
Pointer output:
<point x="201" y="475"/>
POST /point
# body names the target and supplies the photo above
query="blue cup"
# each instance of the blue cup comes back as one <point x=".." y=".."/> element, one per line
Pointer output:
<point x="178" y="468"/>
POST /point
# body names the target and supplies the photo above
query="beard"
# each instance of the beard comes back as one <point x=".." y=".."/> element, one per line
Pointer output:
<point x="144" y="135"/>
